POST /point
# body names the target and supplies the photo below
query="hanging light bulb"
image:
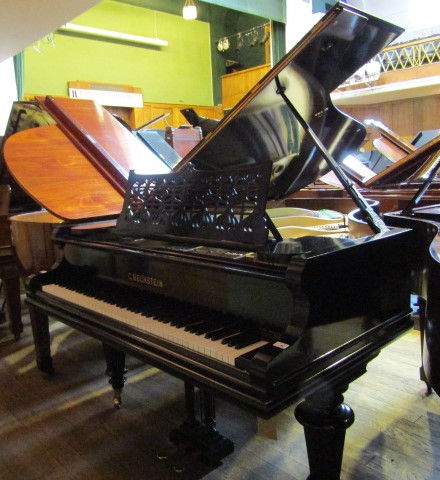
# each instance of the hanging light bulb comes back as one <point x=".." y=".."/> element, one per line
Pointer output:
<point x="189" y="10"/>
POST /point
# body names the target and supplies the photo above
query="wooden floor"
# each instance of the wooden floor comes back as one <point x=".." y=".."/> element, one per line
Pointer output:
<point x="65" y="427"/>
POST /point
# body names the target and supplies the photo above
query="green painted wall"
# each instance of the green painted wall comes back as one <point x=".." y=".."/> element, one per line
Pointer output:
<point x="179" y="73"/>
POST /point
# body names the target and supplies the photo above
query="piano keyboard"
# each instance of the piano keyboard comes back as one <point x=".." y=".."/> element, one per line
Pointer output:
<point x="215" y="337"/>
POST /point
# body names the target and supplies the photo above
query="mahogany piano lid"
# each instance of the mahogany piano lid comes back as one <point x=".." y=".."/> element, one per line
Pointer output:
<point x="263" y="128"/>
<point x="412" y="167"/>
<point x="78" y="168"/>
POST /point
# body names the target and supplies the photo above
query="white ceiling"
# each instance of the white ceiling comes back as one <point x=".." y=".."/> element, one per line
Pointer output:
<point x="23" y="22"/>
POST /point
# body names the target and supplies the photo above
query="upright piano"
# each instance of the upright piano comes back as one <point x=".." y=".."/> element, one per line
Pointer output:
<point x="200" y="278"/>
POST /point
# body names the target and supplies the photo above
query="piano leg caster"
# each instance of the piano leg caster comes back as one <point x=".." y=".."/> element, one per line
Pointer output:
<point x="325" y="419"/>
<point x="116" y="370"/>
<point x="209" y="446"/>
<point x="117" y="397"/>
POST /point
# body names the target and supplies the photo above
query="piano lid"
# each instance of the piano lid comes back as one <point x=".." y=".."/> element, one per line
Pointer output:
<point x="77" y="169"/>
<point x="411" y="164"/>
<point x="261" y="127"/>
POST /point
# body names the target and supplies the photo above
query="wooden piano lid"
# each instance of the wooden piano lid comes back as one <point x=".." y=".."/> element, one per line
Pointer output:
<point x="409" y="168"/>
<point x="78" y="169"/>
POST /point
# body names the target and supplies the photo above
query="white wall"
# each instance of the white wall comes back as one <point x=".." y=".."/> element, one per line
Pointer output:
<point x="23" y="22"/>
<point x="299" y="20"/>
<point x="419" y="18"/>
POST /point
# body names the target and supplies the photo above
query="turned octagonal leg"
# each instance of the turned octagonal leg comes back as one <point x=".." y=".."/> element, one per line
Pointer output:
<point x="325" y="419"/>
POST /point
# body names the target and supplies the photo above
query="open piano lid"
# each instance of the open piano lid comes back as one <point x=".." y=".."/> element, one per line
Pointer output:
<point x="280" y="137"/>
<point x="413" y="167"/>
<point x="77" y="183"/>
<point x="78" y="167"/>
<point x="262" y="128"/>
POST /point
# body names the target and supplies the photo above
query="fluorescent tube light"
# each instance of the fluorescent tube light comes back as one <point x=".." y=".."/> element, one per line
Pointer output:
<point x="109" y="34"/>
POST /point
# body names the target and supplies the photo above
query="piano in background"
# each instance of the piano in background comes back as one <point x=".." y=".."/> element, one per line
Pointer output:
<point x="206" y="125"/>
<point x="408" y="194"/>
<point x="77" y="155"/>
<point x="196" y="278"/>
<point x="172" y="143"/>
<point x="23" y="115"/>
<point x="113" y="147"/>
<point x="415" y="172"/>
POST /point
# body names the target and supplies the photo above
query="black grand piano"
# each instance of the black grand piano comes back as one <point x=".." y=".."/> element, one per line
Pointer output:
<point x="199" y="278"/>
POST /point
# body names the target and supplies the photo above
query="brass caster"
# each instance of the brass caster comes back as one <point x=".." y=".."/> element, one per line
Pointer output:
<point x="117" y="399"/>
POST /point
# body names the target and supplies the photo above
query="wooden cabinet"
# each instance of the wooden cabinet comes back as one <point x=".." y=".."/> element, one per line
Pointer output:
<point x="236" y="85"/>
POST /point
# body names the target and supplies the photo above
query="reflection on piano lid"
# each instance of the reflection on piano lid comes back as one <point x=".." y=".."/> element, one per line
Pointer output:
<point x="390" y="144"/>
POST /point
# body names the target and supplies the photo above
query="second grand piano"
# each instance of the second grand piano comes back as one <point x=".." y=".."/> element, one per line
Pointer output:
<point x="197" y="278"/>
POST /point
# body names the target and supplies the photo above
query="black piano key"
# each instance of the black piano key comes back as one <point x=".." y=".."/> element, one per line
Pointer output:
<point x="182" y="316"/>
<point x="224" y="332"/>
<point x="243" y="341"/>
<point x="187" y="321"/>
<point x="195" y="326"/>
<point x="236" y="339"/>
<point x="204" y="327"/>
<point x="210" y="321"/>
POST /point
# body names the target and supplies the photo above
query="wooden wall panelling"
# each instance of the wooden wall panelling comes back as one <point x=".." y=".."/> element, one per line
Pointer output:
<point x="431" y="113"/>
<point x="406" y="117"/>
<point x="403" y="117"/>
<point x="419" y="109"/>
<point x="236" y="85"/>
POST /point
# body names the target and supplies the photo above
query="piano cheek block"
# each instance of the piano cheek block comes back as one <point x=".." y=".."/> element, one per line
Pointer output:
<point x="258" y="363"/>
